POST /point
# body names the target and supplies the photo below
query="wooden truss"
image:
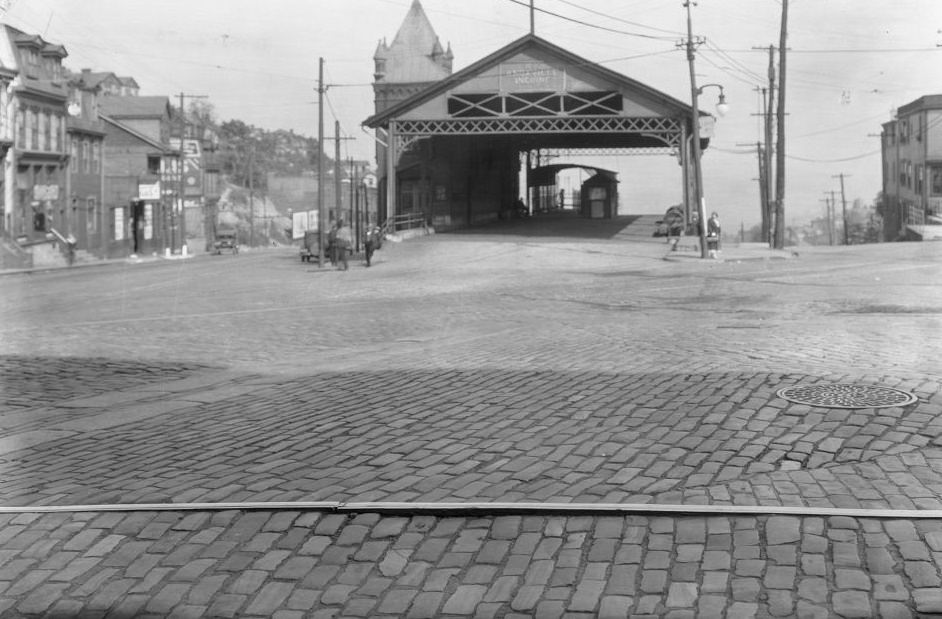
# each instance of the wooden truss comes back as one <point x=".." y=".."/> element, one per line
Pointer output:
<point x="667" y="130"/>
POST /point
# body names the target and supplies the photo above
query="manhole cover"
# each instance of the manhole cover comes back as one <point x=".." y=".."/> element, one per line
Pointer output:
<point x="846" y="396"/>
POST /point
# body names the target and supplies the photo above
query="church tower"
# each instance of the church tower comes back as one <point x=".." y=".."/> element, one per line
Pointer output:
<point x="413" y="61"/>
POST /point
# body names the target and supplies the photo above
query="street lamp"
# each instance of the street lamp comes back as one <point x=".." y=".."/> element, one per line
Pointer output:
<point x="721" y="108"/>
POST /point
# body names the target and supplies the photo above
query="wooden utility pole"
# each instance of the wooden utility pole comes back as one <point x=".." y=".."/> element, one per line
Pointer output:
<point x="355" y="205"/>
<point x="338" y="201"/>
<point x="321" y="218"/>
<point x="252" y="197"/>
<point x="830" y="221"/>
<point x="779" y="241"/>
<point x="695" y="139"/>
<point x="843" y="205"/>
<point x="338" y="198"/>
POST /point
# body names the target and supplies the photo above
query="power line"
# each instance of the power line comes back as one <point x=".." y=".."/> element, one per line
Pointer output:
<point x="863" y="156"/>
<point x="871" y="50"/>
<point x="675" y="33"/>
<point x="591" y="25"/>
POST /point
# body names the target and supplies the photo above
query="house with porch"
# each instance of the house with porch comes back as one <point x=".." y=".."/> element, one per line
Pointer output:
<point x="912" y="171"/>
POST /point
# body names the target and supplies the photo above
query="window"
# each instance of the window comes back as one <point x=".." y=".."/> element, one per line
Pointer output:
<point x="918" y="178"/>
<point x="74" y="158"/>
<point x="935" y="180"/>
<point x="153" y="165"/>
<point x="96" y="157"/>
<point x="21" y="122"/>
<point x="54" y="132"/>
<point x="92" y="218"/>
<point x="33" y="142"/>
<point x="42" y="129"/>
<point x="86" y="157"/>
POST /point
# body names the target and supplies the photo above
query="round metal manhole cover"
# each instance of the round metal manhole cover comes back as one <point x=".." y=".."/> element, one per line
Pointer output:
<point x="846" y="396"/>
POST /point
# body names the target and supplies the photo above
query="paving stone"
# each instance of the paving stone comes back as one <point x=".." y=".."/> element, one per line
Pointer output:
<point x="813" y="589"/>
<point x="742" y="610"/>
<point x="893" y="610"/>
<point x="682" y="595"/>
<point x="852" y="604"/>
<point x="426" y="605"/>
<point x="922" y="574"/>
<point x="928" y="600"/>
<point x="397" y="601"/>
<point x="889" y="587"/>
<point x="272" y="595"/>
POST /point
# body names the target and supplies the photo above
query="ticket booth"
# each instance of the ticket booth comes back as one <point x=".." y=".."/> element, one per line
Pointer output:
<point x="599" y="196"/>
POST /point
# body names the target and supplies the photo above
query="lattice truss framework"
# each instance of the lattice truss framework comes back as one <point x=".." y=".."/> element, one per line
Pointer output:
<point x="668" y="130"/>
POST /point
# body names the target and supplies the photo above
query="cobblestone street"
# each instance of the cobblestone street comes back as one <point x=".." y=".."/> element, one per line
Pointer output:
<point x="477" y="368"/>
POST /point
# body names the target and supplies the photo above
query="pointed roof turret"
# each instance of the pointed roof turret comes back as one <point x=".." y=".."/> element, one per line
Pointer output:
<point x="415" y="54"/>
<point x="382" y="50"/>
<point x="416" y="30"/>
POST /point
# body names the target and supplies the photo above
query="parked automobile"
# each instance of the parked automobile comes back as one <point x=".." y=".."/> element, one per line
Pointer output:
<point x="310" y="245"/>
<point x="226" y="240"/>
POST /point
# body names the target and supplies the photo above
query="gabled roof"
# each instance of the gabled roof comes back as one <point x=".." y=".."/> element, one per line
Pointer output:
<point x="20" y="38"/>
<point x="164" y="148"/>
<point x="926" y="102"/>
<point x="93" y="79"/>
<point x="135" y="107"/>
<point x="526" y="43"/>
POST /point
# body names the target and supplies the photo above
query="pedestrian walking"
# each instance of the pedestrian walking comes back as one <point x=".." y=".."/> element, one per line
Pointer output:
<point x="344" y="241"/>
<point x="332" y="244"/>
<point x="372" y="241"/>
<point x="713" y="234"/>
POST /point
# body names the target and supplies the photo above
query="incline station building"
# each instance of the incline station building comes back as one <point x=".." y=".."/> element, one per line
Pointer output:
<point x="460" y="148"/>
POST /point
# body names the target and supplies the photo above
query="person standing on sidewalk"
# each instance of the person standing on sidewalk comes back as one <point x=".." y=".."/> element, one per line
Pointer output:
<point x="372" y="242"/>
<point x="344" y="242"/>
<point x="713" y="234"/>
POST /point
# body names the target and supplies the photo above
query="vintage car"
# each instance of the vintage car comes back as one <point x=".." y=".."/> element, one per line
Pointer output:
<point x="226" y="240"/>
<point x="310" y="246"/>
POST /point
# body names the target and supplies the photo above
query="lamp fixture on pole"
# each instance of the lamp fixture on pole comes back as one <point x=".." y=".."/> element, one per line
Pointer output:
<point x="721" y="106"/>
<point x="721" y="109"/>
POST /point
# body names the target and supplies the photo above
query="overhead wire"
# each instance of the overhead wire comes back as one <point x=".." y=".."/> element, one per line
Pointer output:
<point x="591" y="25"/>
<point x="624" y="21"/>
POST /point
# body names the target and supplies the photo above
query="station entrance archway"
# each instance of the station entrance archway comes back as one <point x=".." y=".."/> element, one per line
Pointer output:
<point x="453" y="151"/>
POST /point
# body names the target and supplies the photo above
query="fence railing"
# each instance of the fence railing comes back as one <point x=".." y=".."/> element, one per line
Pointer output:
<point x="915" y="215"/>
<point x="405" y="221"/>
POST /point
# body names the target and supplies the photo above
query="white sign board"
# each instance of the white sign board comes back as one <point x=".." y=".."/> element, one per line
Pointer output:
<point x="148" y="191"/>
<point x="302" y="222"/>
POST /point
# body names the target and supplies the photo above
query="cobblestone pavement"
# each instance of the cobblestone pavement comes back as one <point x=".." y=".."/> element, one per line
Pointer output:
<point x="308" y="564"/>
<point x="472" y="368"/>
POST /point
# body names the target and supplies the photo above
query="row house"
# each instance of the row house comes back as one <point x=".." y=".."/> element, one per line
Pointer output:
<point x="912" y="171"/>
<point x="37" y="153"/>
<point x="87" y="160"/>
<point x="141" y="176"/>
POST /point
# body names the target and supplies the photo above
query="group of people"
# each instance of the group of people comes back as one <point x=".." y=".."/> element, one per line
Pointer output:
<point x="340" y="244"/>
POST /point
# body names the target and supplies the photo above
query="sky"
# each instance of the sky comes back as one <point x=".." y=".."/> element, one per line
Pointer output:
<point x="849" y="65"/>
